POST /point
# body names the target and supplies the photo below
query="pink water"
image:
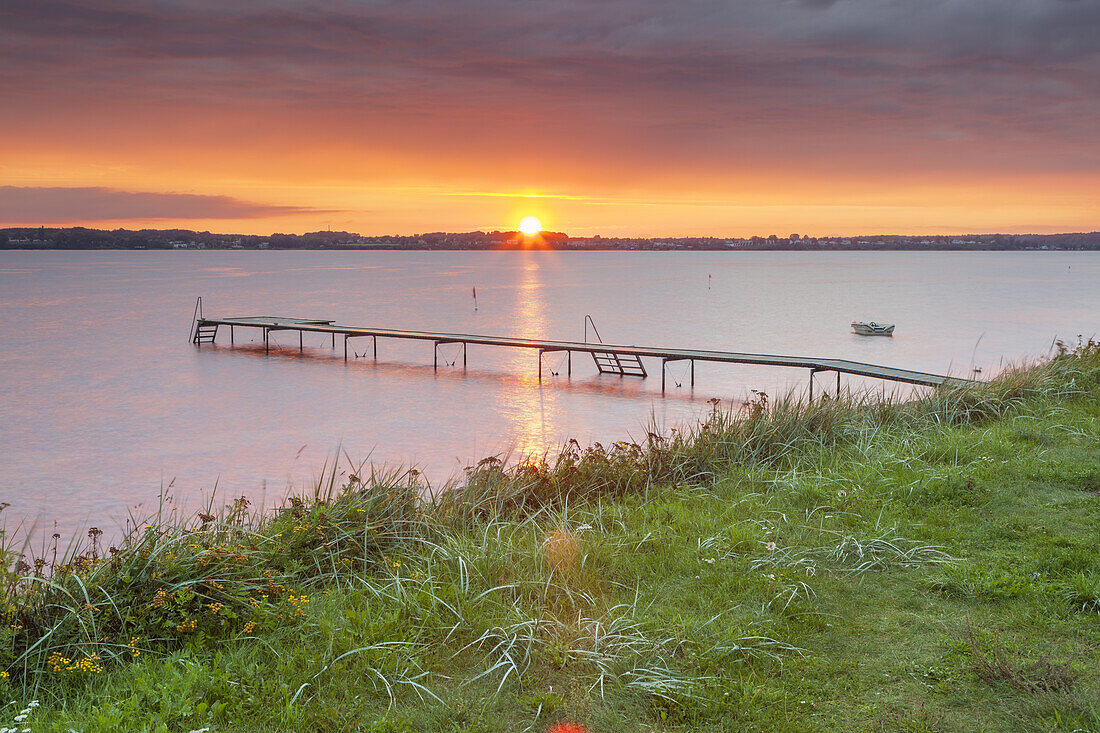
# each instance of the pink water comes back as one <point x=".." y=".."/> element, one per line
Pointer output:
<point x="103" y="400"/>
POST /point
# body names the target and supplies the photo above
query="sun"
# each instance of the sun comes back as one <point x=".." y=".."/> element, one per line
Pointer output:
<point x="530" y="225"/>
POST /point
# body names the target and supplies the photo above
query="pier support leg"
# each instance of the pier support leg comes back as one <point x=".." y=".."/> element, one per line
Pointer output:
<point x="267" y="346"/>
<point x="374" y="339"/>
<point x="232" y="340"/>
<point x="693" y="372"/>
<point x="301" y="343"/>
<point x="838" y="384"/>
<point x="812" y="386"/>
<point x="345" y="348"/>
<point x="334" y="341"/>
<point x="664" y="362"/>
<point x="435" y="356"/>
<point x="463" y="355"/>
<point x="569" y="363"/>
<point x="540" y="366"/>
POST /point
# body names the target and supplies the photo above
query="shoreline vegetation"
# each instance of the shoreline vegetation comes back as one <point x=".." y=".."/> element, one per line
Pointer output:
<point x="72" y="238"/>
<point x="852" y="564"/>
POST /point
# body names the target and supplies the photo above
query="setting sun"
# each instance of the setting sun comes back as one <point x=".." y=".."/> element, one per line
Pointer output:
<point x="530" y="225"/>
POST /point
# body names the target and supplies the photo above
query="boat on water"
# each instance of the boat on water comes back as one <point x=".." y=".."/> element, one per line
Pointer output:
<point x="871" y="328"/>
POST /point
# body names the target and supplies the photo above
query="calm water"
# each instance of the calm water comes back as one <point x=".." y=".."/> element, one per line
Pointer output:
<point x="104" y="401"/>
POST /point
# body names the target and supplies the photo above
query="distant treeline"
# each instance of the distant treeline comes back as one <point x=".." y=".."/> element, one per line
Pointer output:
<point x="83" y="238"/>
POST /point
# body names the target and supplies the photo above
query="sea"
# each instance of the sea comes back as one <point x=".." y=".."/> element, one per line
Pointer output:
<point x="107" y="408"/>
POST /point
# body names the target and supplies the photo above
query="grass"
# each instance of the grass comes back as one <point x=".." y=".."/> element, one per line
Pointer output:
<point x="849" y="565"/>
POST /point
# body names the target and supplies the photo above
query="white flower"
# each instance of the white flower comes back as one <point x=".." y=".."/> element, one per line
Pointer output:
<point x="20" y="718"/>
<point x="770" y="547"/>
<point x="709" y="560"/>
<point x="583" y="527"/>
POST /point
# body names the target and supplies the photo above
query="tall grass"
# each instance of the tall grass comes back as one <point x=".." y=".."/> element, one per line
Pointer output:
<point x="760" y="432"/>
<point x="177" y="581"/>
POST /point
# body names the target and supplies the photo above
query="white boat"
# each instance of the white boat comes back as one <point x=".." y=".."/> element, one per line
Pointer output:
<point x="873" y="329"/>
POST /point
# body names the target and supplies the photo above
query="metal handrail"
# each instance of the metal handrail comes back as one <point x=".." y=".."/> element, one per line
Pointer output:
<point x="587" y="320"/>
<point x="196" y="315"/>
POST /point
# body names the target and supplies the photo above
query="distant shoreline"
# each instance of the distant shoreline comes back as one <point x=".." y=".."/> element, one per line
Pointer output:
<point x="354" y="248"/>
<point x="74" y="238"/>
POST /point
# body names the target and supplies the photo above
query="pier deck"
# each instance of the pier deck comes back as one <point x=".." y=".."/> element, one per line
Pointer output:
<point x="206" y="329"/>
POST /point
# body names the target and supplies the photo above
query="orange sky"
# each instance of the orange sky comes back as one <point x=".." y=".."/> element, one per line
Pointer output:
<point x="615" y="118"/>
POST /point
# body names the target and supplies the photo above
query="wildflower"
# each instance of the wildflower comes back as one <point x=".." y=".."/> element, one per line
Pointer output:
<point x="770" y="547"/>
<point x="248" y="627"/>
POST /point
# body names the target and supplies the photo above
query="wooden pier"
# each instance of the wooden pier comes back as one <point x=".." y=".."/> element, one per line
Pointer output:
<point x="620" y="359"/>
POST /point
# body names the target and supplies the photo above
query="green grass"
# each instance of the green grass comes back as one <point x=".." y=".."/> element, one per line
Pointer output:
<point x="851" y="565"/>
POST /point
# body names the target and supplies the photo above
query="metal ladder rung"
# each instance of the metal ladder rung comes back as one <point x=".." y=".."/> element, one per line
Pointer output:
<point x="205" y="334"/>
<point x="622" y="364"/>
<point x="607" y="362"/>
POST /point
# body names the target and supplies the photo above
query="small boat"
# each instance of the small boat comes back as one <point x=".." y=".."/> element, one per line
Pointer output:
<point x="873" y="329"/>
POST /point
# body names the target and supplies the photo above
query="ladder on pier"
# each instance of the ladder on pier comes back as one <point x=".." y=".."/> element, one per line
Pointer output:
<point x="625" y="365"/>
<point x="204" y="333"/>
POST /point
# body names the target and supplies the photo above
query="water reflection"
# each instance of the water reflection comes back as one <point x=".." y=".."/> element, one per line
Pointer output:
<point x="104" y="402"/>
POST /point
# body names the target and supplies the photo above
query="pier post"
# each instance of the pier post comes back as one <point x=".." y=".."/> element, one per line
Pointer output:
<point x="300" y="341"/>
<point x="664" y="361"/>
<point x="463" y="355"/>
<point x="693" y="372"/>
<point x="231" y="339"/>
<point x="569" y="363"/>
<point x="345" y="347"/>
<point x="374" y="339"/>
<point x="435" y="355"/>
<point x="334" y="339"/>
<point x="540" y="366"/>
<point x="267" y="347"/>
<point x="838" y="383"/>
<point x="812" y="385"/>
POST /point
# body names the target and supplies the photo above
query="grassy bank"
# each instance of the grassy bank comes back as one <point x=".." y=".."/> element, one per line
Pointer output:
<point x="867" y="565"/>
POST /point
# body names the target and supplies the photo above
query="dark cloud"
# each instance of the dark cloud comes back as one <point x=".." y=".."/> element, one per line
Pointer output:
<point x="45" y="205"/>
<point x="364" y="41"/>
<point x="831" y="66"/>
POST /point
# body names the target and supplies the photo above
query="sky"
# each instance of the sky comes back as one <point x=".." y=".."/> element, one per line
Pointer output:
<point x="610" y="117"/>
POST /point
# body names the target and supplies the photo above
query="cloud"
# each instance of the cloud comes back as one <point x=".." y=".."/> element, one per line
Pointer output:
<point x="23" y="205"/>
<point x="350" y="44"/>
<point x="603" y="83"/>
